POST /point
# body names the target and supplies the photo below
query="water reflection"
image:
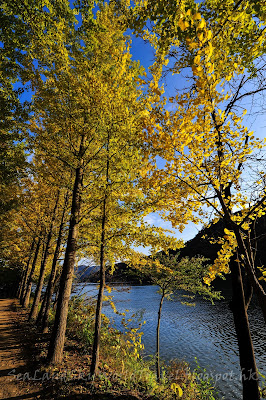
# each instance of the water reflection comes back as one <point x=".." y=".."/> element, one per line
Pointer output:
<point x="205" y="331"/>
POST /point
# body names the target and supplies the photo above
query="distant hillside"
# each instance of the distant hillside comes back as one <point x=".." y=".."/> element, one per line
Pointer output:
<point x="122" y="273"/>
<point x="199" y="245"/>
<point x="85" y="271"/>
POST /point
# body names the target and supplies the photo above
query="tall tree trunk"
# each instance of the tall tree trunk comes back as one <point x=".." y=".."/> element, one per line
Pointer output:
<point x="44" y="312"/>
<point x="246" y="252"/>
<point x="98" y="315"/>
<point x="239" y="306"/>
<point x="26" y="297"/>
<point x="38" y="292"/>
<point x="23" y="285"/>
<point x="56" y="289"/>
<point x="42" y="308"/>
<point x="245" y="345"/>
<point x="158" y="339"/>
<point x="55" y="351"/>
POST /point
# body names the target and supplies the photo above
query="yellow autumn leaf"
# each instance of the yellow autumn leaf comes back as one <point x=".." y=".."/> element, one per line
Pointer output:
<point x="177" y="388"/>
<point x="157" y="91"/>
<point x="192" y="45"/>
<point x="209" y="51"/>
<point x="196" y="16"/>
<point x="197" y="59"/>
<point x="197" y="70"/>
<point x="211" y="68"/>
<point x="226" y="231"/>
<point x="201" y="24"/>
<point x="209" y="35"/>
<point x="200" y="36"/>
<point x="183" y="24"/>
<point x="108" y="288"/>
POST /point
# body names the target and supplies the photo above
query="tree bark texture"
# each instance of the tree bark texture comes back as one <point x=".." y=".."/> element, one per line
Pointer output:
<point x="250" y="270"/>
<point x="38" y="292"/>
<point x="26" y="298"/>
<point x="21" y="284"/>
<point x="158" y="340"/>
<point x="55" y="352"/>
<point x="26" y="273"/>
<point x="245" y="345"/>
<point x="98" y="315"/>
<point x="44" y="312"/>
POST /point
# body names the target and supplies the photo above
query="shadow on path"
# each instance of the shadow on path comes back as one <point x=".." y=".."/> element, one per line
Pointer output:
<point x="17" y="355"/>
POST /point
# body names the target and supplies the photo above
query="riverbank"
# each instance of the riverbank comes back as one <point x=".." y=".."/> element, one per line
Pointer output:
<point x="24" y="375"/>
<point x="205" y="331"/>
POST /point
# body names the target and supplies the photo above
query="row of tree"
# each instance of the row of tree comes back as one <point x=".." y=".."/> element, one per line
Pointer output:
<point x="100" y="146"/>
<point x="81" y="192"/>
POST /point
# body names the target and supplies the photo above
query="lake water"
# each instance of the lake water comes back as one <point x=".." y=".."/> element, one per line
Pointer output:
<point x="205" y="331"/>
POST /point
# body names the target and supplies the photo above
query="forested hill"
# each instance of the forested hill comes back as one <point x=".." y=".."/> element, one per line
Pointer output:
<point x="204" y="243"/>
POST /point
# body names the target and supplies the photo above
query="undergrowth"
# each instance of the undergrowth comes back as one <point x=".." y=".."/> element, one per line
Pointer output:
<point x="123" y="365"/>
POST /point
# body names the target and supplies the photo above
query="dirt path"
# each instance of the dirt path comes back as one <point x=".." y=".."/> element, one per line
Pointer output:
<point x="15" y="355"/>
<point x="20" y="350"/>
